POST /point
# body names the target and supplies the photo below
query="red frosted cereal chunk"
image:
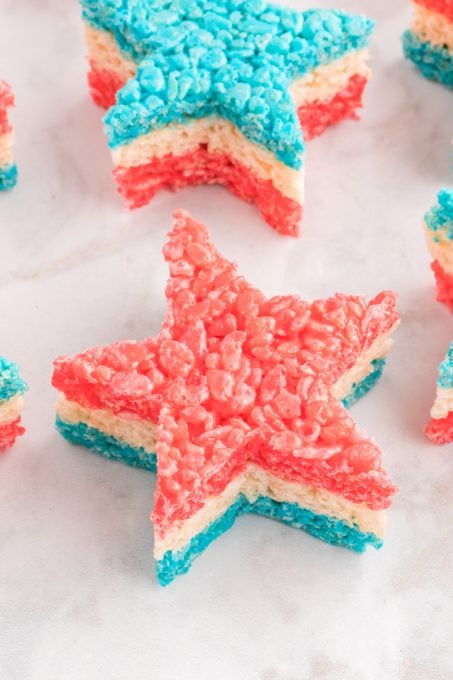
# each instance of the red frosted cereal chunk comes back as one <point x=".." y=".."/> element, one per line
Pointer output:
<point x="263" y="353"/>
<point x="261" y="325"/>
<point x="196" y="311"/>
<point x="260" y="340"/>
<point x="285" y="441"/>
<point x="195" y="337"/>
<point x="217" y="307"/>
<point x="167" y="463"/>
<point x="173" y="250"/>
<point x="318" y="411"/>
<point x="243" y="399"/>
<point x="135" y="352"/>
<point x="175" y="358"/>
<point x="315" y="344"/>
<point x="199" y="254"/>
<point x="231" y="350"/>
<point x="103" y="374"/>
<point x="287" y="405"/>
<point x="362" y="456"/>
<point x="288" y="348"/>
<point x="225" y="277"/>
<point x="337" y="431"/>
<point x="337" y="317"/>
<point x="236" y="438"/>
<point x="304" y="386"/>
<point x="300" y="321"/>
<point x="194" y="455"/>
<point x="273" y="419"/>
<point x="181" y="268"/>
<point x="82" y="369"/>
<point x="131" y="383"/>
<point x="222" y="326"/>
<point x="220" y="383"/>
<point x="310" y="431"/>
<point x="194" y="414"/>
<point x="246" y="373"/>
<point x="213" y="360"/>
<point x="246" y="302"/>
<point x="319" y="328"/>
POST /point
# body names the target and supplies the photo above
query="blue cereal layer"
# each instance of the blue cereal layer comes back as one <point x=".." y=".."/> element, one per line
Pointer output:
<point x="8" y="177"/>
<point x="435" y="63"/>
<point x="105" y="445"/>
<point x="359" y="389"/>
<point x="10" y="381"/>
<point x="234" y="58"/>
<point x="440" y="217"/>
<point x="329" y="529"/>
<point x="445" y="380"/>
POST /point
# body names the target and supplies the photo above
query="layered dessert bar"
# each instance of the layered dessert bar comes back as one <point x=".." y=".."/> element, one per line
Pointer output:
<point x="222" y="92"/>
<point x="238" y="404"/>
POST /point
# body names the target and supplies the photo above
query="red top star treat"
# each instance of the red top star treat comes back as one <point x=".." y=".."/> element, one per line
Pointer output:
<point x="247" y="395"/>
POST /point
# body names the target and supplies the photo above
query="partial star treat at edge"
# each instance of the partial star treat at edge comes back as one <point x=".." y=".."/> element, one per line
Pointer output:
<point x="429" y="42"/>
<point x="12" y="387"/>
<point x="439" y="236"/>
<point x="8" y="169"/>
<point x="215" y="92"/>
<point x="240" y="398"/>
<point x="440" y="427"/>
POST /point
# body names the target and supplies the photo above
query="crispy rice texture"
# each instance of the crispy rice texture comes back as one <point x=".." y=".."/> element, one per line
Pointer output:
<point x="139" y="184"/>
<point x="9" y="433"/>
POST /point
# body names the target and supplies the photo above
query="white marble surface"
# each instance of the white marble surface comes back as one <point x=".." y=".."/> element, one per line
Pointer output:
<point x="78" y="597"/>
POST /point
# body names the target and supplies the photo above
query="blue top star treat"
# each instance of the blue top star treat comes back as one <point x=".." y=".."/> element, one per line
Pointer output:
<point x="234" y="58"/>
<point x="229" y="84"/>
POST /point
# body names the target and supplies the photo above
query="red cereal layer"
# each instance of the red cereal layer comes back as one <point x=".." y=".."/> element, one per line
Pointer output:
<point x="440" y="431"/>
<point x="444" y="285"/>
<point x="9" y="433"/>
<point x="444" y="7"/>
<point x="316" y="116"/>
<point x="138" y="185"/>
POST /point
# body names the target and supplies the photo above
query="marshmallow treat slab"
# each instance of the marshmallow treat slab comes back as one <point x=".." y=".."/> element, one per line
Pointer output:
<point x="238" y="404"/>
